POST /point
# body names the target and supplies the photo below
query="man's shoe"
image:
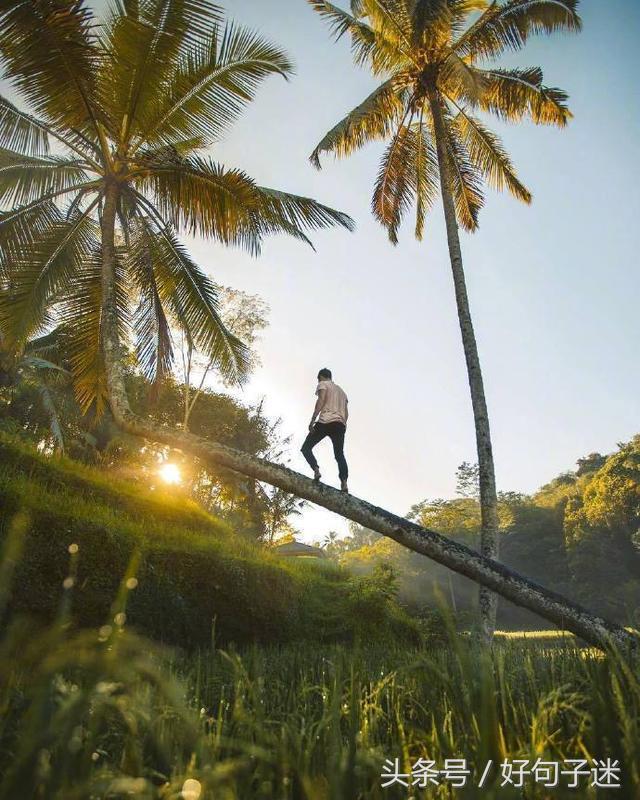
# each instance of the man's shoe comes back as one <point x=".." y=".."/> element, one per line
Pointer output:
<point x="316" y="475"/>
<point x="344" y="487"/>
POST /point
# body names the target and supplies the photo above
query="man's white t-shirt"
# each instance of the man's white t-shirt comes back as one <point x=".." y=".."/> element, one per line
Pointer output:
<point x="334" y="403"/>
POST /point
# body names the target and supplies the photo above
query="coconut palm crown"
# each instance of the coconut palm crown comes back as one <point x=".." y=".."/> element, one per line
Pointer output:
<point x="130" y="105"/>
<point x="424" y="50"/>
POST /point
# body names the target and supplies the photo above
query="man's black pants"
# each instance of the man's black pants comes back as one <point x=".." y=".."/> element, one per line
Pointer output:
<point x="335" y="431"/>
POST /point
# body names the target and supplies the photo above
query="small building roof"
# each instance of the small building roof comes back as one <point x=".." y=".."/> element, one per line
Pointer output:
<point x="299" y="549"/>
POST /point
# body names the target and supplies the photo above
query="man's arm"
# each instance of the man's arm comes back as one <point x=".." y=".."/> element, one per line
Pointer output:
<point x="319" y="405"/>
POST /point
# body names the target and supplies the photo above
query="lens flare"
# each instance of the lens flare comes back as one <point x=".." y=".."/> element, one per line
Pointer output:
<point x="170" y="473"/>
<point x="191" y="790"/>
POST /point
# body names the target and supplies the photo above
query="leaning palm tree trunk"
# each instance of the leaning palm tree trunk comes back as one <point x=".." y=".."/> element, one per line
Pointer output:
<point x="468" y="562"/>
<point x="488" y="495"/>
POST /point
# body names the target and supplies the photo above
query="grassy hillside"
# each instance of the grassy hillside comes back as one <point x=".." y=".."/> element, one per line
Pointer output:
<point x="195" y="575"/>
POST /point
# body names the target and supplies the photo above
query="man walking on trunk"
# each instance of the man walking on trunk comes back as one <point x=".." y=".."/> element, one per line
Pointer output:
<point x="331" y="411"/>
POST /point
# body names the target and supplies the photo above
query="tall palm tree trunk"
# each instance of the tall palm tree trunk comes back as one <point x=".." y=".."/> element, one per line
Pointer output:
<point x="488" y="494"/>
<point x="457" y="557"/>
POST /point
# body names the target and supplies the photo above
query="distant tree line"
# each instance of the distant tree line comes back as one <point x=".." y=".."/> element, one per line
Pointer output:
<point x="578" y="535"/>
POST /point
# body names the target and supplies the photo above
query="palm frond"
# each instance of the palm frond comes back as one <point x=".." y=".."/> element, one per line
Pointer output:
<point x="35" y="362"/>
<point x="21" y="132"/>
<point x="150" y="324"/>
<point x="427" y="174"/>
<point x="408" y="174"/>
<point x="24" y="133"/>
<point x="49" y="53"/>
<point x="517" y="93"/>
<point x="290" y="213"/>
<point x="487" y="153"/>
<point x="376" y="48"/>
<point x="212" y="84"/>
<point x="460" y="12"/>
<point x="78" y="316"/>
<point x="20" y="227"/>
<point x="24" y="179"/>
<point x="508" y="26"/>
<point x="433" y="23"/>
<point x="374" y="119"/>
<point x="49" y="406"/>
<point x="464" y="175"/>
<point x="202" y="197"/>
<point x="49" y="345"/>
<point x="191" y="298"/>
<point x="145" y="43"/>
<point x="154" y="347"/>
<point x="18" y="231"/>
<point x="395" y="186"/>
<point x="36" y="277"/>
<point x="391" y="19"/>
<point x="461" y="80"/>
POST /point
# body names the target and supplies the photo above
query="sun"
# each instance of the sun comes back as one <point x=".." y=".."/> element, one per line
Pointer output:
<point x="170" y="473"/>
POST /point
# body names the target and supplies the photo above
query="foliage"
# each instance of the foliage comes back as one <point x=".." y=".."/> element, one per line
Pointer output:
<point x="359" y="537"/>
<point x="252" y="509"/>
<point x="602" y="533"/>
<point x="579" y="535"/>
<point x="468" y="480"/>
<point x="280" y="507"/>
<point x="442" y="55"/>
<point x="194" y="574"/>
<point x="246" y="316"/>
<point x="31" y="390"/>
<point x="103" y="713"/>
<point x="131" y="103"/>
<point x="301" y="721"/>
<point x="243" y="314"/>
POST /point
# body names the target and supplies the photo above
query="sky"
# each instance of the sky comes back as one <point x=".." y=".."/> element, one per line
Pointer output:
<point x="554" y="287"/>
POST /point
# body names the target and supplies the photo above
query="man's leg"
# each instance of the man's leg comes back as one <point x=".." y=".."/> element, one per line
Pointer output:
<point x="337" y="433"/>
<point x="315" y="435"/>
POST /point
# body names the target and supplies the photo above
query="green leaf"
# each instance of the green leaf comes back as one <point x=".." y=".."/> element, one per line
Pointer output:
<point x="189" y="296"/>
<point x="515" y="94"/>
<point x="374" y="119"/>
<point x="21" y="132"/>
<point x="379" y="48"/>
<point x="78" y="317"/>
<point x="49" y="53"/>
<point x="508" y="26"/>
<point x="408" y="173"/>
<point x="36" y="277"/>
<point x="24" y="179"/>
<point x="146" y="45"/>
<point x="488" y="154"/>
<point x="211" y="85"/>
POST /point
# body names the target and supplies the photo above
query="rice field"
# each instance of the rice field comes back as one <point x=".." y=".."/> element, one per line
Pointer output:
<point x="105" y="714"/>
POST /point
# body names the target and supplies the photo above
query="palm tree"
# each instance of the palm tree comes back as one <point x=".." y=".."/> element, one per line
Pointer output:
<point x="29" y="371"/>
<point x="90" y="240"/>
<point x="128" y="106"/>
<point x="431" y="57"/>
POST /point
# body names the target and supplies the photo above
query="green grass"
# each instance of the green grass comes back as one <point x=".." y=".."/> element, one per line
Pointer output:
<point x="195" y="574"/>
<point x="115" y="718"/>
<point x="323" y="685"/>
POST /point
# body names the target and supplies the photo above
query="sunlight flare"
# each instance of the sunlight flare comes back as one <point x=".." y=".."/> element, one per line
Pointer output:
<point x="170" y="473"/>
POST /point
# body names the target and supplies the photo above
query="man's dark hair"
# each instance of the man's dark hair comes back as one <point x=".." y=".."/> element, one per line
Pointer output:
<point x="324" y="374"/>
